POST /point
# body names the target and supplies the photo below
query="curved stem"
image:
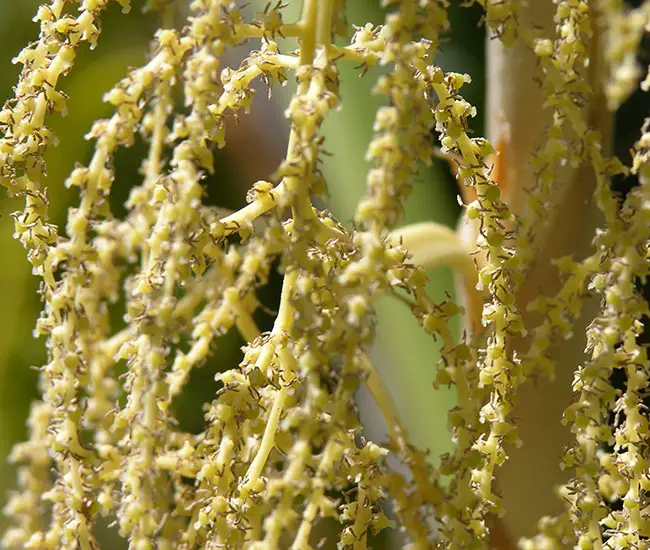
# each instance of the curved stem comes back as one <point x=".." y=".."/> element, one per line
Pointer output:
<point x="283" y="324"/>
<point x="433" y="245"/>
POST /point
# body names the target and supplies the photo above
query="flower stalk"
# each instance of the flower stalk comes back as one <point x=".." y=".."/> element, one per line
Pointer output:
<point x="282" y="449"/>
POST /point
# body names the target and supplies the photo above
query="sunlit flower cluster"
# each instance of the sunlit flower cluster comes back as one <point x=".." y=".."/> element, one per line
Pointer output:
<point x="282" y="447"/>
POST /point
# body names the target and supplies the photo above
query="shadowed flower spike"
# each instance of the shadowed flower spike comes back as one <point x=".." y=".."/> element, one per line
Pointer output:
<point x="549" y="298"/>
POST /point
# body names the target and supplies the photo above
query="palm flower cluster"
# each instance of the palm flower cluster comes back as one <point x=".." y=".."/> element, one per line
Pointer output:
<point x="282" y="447"/>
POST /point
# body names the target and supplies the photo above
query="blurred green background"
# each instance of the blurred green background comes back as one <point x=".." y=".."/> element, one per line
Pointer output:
<point x="405" y="355"/>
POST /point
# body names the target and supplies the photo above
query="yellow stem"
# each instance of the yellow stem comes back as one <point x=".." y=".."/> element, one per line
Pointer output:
<point x="284" y="320"/>
<point x="308" y="23"/>
<point x="324" y="23"/>
<point x="432" y="245"/>
<point x="381" y="395"/>
<point x="283" y="323"/>
<point x="268" y="440"/>
<point x="252" y="211"/>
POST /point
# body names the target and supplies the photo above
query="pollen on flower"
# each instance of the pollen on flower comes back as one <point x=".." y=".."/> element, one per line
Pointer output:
<point x="282" y="449"/>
